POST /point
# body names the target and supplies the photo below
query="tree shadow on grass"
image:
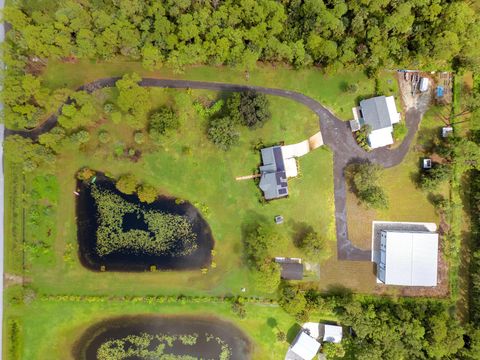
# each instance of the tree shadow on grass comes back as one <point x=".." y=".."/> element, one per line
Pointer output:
<point x="292" y="332"/>
<point x="300" y="230"/>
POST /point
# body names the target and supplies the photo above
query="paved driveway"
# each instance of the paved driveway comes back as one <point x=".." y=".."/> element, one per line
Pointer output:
<point x="336" y="134"/>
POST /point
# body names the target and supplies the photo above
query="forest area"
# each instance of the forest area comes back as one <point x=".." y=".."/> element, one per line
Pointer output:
<point x="330" y="34"/>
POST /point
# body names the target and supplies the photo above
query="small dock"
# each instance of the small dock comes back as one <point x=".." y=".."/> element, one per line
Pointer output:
<point x="248" y="177"/>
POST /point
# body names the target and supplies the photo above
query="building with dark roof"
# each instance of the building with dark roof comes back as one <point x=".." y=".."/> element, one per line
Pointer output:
<point x="290" y="268"/>
<point x="273" y="181"/>
<point x="291" y="271"/>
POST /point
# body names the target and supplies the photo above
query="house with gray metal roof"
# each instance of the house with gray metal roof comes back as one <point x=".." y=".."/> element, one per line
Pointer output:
<point x="273" y="181"/>
<point x="379" y="113"/>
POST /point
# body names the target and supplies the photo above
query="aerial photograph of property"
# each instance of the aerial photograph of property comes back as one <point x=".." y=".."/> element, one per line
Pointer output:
<point x="240" y="179"/>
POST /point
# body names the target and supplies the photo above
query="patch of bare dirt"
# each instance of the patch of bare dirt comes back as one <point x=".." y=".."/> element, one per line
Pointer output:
<point x="11" y="279"/>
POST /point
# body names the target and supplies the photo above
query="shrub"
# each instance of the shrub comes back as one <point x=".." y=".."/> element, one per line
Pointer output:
<point x="400" y="130"/>
<point x="104" y="137"/>
<point x="147" y="193"/>
<point x="80" y="137"/>
<point x="223" y="133"/>
<point x="332" y="350"/>
<point x="139" y="137"/>
<point x="85" y="174"/>
<point x="161" y="121"/>
<point x="281" y="336"/>
<point x="351" y="88"/>
<point x="429" y="180"/>
<point x="127" y="184"/>
<point x="108" y="108"/>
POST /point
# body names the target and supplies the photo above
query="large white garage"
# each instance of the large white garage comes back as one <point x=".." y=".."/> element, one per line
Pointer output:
<point x="408" y="258"/>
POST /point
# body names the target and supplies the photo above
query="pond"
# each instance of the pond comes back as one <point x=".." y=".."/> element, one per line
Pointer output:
<point x="144" y="337"/>
<point x="120" y="233"/>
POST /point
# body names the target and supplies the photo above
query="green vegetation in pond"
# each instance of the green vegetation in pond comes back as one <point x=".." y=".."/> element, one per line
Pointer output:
<point x="161" y="235"/>
<point x="148" y="346"/>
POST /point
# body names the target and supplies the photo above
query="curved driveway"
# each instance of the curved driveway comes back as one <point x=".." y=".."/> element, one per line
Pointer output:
<point x="336" y="134"/>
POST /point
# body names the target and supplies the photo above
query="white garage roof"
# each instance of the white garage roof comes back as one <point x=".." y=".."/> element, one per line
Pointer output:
<point x="333" y="333"/>
<point x="381" y="137"/>
<point x="392" y="109"/>
<point x="411" y="258"/>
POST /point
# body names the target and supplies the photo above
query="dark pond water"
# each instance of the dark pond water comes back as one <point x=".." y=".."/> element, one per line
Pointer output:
<point x="206" y="327"/>
<point x="129" y="261"/>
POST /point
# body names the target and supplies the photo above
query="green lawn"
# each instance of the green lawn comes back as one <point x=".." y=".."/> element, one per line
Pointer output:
<point x="49" y="328"/>
<point x="330" y="90"/>
<point x="202" y="175"/>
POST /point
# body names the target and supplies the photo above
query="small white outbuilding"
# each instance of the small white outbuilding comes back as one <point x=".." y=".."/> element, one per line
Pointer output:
<point x="304" y="347"/>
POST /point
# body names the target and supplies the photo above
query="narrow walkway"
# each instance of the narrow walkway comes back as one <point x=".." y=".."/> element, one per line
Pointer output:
<point x="336" y="134"/>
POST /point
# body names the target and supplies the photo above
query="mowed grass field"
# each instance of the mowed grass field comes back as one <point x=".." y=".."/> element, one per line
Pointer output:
<point x="49" y="329"/>
<point x="186" y="165"/>
<point x="330" y="90"/>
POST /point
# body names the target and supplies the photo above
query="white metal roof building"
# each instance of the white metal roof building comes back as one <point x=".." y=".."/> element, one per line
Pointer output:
<point x="408" y="258"/>
<point x="332" y="333"/>
<point x="304" y="347"/>
<point x="379" y="113"/>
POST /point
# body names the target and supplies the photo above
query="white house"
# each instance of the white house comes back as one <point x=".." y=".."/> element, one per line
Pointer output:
<point x="380" y="114"/>
<point x="304" y="347"/>
<point x="408" y="258"/>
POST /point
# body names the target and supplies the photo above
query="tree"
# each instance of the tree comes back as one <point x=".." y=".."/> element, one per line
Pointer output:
<point x="80" y="137"/>
<point x="162" y="121"/>
<point x="147" y="193"/>
<point x="267" y="277"/>
<point x="127" y="184"/>
<point x="261" y="243"/>
<point x="363" y="178"/>
<point x="80" y="111"/>
<point x="254" y="109"/>
<point x="27" y="154"/>
<point x="223" y="133"/>
<point x="53" y="139"/>
<point x="292" y="300"/>
<point x="133" y="100"/>
<point x="313" y="245"/>
<point x="432" y="178"/>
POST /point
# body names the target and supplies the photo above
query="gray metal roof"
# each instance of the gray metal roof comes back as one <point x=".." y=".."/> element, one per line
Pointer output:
<point x="291" y="270"/>
<point x="374" y="112"/>
<point x="274" y="179"/>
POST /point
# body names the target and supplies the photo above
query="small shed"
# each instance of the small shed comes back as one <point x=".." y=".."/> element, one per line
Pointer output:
<point x="332" y="333"/>
<point x="290" y="268"/>
<point x="424" y="84"/>
<point x="427" y="164"/>
<point x="446" y="131"/>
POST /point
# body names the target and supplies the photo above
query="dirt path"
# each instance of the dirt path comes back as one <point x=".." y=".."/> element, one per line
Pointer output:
<point x="335" y="132"/>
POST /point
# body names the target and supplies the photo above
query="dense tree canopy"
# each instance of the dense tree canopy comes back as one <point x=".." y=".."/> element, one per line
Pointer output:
<point x="179" y="33"/>
<point x="162" y="121"/>
<point x="222" y="132"/>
